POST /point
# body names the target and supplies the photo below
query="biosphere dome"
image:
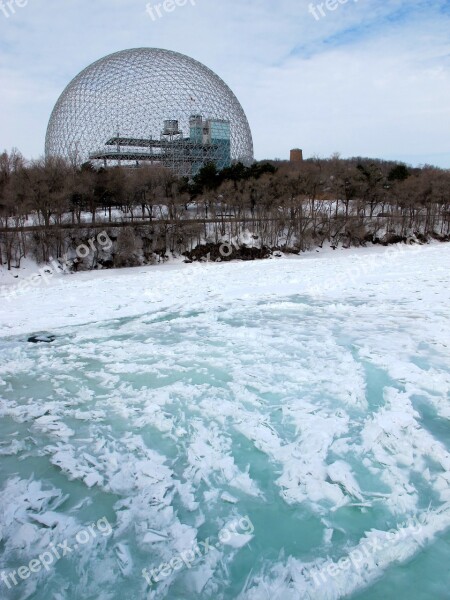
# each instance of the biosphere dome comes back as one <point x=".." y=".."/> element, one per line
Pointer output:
<point x="150" y="106"/>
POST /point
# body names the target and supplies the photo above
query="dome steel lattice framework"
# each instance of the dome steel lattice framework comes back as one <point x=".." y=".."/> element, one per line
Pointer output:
<point x="150" y="106"/>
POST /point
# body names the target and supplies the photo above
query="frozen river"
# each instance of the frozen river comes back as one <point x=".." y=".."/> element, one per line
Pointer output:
<point x="276" y="429"/>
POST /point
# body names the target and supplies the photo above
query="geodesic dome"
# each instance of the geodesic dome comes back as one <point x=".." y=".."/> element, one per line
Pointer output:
<point x="151" y="105"/>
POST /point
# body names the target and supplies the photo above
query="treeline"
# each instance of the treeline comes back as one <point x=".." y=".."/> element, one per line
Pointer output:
<point x="288" y="206"/>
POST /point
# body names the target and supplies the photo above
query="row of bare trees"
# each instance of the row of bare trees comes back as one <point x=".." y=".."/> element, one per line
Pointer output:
<point x="286" y="205"/>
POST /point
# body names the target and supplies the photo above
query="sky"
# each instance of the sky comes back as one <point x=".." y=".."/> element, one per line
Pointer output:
<point x="356" y="77"/>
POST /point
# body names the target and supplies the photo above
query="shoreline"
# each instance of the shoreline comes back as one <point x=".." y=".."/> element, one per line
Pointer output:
<point x="92" y="296"/>
<point x="30" y="267"/>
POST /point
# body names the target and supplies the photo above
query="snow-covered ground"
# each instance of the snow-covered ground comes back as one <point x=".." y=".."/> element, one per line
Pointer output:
<point x="301" y="405"/>
<point x="81" y="298"/>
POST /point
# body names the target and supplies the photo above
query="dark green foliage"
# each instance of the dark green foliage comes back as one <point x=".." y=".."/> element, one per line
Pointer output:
<point x="399" y="173"/>
<point x="209" y="178"/>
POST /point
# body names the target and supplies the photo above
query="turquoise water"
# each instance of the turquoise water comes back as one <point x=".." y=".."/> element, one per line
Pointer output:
<point x="287" y="425"/>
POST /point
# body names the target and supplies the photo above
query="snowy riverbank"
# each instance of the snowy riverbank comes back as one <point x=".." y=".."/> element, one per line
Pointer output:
<point x="79" y="298"/>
